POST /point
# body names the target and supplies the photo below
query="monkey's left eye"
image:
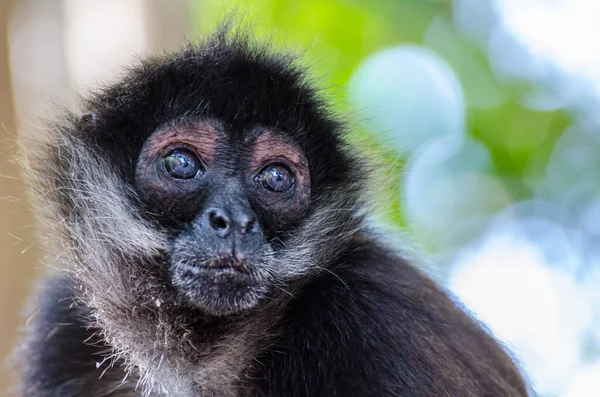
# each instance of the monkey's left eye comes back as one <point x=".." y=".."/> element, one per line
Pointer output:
<point x="276" y="177"/>
<point x="182" y="164"/>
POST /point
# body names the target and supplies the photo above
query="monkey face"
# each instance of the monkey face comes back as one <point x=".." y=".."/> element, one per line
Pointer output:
<point x="226" y="197"/>
<point x="204" y="183"/>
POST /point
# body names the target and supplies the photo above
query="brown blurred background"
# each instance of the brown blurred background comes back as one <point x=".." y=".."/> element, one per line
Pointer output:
<point x="16" y="261"/>
<point x="48" y="51"/>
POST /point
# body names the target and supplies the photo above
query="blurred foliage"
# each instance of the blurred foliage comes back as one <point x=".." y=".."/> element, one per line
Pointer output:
<point x="335" y="36"/>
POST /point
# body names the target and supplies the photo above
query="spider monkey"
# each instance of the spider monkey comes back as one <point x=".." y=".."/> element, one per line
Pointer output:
<point x="212" y="232"/>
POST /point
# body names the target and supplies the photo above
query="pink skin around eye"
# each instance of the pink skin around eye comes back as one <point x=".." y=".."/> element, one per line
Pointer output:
<point x="271" y="147"/>
<point x="201" y="137"/>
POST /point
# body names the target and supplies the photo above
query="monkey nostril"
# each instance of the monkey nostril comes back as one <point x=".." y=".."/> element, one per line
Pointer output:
<point x="248" y="225"/>
<point x="218" y="222"/>
<point x="223" y="223"/>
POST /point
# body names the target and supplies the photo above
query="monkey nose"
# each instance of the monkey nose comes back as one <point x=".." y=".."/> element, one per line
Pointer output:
<point x="223" y="222"/>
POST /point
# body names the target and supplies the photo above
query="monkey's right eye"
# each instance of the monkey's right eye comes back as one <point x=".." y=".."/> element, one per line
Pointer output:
<point x="182" y="164"/>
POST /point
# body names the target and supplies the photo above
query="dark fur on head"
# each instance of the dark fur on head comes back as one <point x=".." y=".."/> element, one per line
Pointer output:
<point x="333" y="312"/>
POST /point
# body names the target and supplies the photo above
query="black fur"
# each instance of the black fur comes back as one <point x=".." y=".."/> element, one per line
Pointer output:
<point x="59" y="327"/>
<point x="342" y="315"/>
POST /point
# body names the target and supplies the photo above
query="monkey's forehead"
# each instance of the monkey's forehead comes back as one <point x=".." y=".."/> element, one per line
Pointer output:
<point x="230" y="80"/>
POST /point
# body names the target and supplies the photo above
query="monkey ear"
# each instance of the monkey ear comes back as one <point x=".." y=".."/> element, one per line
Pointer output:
<point x="88" y="121"/>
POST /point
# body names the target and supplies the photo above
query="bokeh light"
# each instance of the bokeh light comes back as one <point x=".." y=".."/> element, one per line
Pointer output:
<point x="508" y="283"/>
<point x="408" y="96"/>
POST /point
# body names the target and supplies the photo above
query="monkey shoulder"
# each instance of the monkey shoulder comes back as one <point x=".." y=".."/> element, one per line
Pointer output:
<point x="62" y="355"/>
<point x="374" y="325"/>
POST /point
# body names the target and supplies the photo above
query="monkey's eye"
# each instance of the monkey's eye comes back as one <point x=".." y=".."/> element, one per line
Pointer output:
<point x="276" y="178"/>
<point x="182" y="164"/>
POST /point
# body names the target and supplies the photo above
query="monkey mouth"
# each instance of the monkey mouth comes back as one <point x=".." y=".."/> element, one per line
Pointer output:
<point x="219" y="264"/>
<point x="219" y="287"/>
<point x="192" y="270"/>
<point x="227" y="262"/>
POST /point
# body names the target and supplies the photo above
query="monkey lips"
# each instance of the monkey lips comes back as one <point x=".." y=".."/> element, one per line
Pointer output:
<point x="218" y="286"/>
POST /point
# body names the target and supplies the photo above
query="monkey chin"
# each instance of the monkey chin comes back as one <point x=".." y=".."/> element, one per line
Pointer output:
<point x="219" y="291"/>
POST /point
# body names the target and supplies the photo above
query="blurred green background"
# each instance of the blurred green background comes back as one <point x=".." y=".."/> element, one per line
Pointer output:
<point x="481" y="116"/>
<point x="336" y="37"/>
